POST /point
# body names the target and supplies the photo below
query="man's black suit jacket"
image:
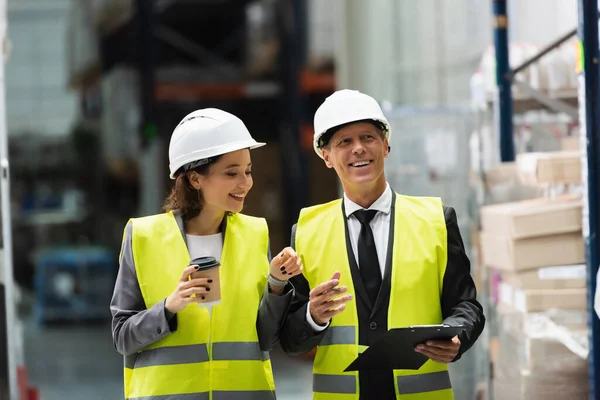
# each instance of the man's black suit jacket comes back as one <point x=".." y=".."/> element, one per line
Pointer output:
<point x="458" y="301"/>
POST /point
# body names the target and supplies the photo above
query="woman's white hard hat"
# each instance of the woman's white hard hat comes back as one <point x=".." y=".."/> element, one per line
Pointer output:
<point x="207" y="133"/>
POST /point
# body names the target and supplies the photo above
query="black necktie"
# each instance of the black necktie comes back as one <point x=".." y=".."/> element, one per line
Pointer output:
<point x="368" y="262"/>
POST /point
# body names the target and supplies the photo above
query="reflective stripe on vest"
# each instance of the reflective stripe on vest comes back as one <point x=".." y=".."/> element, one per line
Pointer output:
<point x="218" y="355"/>
<point x="419" y="256"/>
<point x="344" y="384"/>
<point x="216" y="395"/>
<point x="411" y="384"/>
<point x="339" y="335"/>
<point x="196" y="353"/>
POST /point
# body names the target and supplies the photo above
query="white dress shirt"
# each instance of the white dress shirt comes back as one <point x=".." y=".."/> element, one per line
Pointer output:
<point x="380" y="225"/>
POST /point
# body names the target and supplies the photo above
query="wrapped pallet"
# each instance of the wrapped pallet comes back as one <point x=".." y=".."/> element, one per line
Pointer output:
<point x="541" y="356"/>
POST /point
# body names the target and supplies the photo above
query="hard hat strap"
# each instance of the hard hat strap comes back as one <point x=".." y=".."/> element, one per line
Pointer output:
<point x="324" y="139"/>
<point x="198" y="163"/>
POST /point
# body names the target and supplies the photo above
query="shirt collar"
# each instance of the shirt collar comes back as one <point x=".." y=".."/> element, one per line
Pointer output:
<point x="383" y="203"/>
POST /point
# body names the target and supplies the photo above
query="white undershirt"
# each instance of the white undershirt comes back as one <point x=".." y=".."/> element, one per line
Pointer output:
<point x="205" y="246"/>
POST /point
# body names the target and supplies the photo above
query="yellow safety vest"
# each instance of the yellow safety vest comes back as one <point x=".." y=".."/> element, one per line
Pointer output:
<point x="418" y="266"/>
<point x="204" y="359"/>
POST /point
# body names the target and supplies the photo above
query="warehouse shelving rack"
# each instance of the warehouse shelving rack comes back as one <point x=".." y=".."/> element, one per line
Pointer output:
<point x="588" y="112"/>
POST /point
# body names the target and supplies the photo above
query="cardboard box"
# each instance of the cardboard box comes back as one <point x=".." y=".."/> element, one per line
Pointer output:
<point x="558" y="277"/>
<point x="503" y="173"/>
<point x="534" y="217"/>
<point x="549" y="167"/>
<point x="542" y="300"/>
<point x="506" y="253"/>
<point x="570" y="143"/>
<point x="502" y="184"/>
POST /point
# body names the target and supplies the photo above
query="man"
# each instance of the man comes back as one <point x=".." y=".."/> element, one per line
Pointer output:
<point x="375" y="260"/>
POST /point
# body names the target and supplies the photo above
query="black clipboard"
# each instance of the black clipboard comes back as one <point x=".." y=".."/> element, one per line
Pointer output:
<point x="396" y="349"/>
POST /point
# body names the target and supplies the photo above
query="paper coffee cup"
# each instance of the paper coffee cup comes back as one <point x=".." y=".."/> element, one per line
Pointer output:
<point x="209" y="269"/>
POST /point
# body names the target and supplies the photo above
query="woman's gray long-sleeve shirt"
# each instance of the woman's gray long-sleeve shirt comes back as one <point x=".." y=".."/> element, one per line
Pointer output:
<point x="134" y="327"/>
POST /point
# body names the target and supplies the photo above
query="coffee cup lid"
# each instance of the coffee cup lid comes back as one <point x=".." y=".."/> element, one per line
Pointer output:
<point x="205" y="262"/>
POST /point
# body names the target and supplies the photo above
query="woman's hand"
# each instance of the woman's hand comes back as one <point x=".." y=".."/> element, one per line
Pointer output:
<point x="285" y="265"/>
<point x="186" y="287"/>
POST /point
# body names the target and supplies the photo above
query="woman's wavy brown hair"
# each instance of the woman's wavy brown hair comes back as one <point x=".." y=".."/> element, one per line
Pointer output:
<point x="184" y="197"/>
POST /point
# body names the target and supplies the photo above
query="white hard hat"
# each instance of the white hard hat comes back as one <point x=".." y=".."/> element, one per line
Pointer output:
<point x="207" y="133"/>
<point x="346" y="106"/>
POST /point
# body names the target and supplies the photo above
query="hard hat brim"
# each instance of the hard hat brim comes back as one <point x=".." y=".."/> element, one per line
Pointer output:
<point x="212" y="152"/>
<point x="317" y="137"/>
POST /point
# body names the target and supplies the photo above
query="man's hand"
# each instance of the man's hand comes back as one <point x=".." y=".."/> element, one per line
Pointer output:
<point x="322" y="304"/>
<point x="441" y="351"/>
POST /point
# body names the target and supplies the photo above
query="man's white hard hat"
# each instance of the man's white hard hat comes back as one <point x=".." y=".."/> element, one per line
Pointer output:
<point x="345" y="106"/>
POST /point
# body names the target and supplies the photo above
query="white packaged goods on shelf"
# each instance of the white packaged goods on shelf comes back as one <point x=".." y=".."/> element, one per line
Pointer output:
<point x="569" y="53"/>
<point x="487" y="67"/>
<point x="557" y="70"/>
<point x="477" y="87"/>
<point x="537" y="77"/>
<point x="554" y="72"/>
<point x="518" y="53"/>
<point x="542" y="356"/>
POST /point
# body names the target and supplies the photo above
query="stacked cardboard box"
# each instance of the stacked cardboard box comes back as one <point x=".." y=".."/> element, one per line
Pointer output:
<point x="570" y="143"/>
<point x="549" y="167"/>
<point x="502" y="183"/>
<point x="537" y="246"/>
<point x="535" y="250"/>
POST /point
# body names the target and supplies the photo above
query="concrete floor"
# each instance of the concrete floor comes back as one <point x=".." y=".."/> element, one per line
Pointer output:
<point x="79" y="362"/>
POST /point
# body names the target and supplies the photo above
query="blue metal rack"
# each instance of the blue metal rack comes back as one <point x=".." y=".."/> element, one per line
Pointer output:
<point x="590" y="129"/>
<point x="507" y="147"/>
<point x="74" y="284"/>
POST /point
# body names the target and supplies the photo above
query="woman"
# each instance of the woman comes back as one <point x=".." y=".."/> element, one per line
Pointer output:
<point x="175" y="349"/>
